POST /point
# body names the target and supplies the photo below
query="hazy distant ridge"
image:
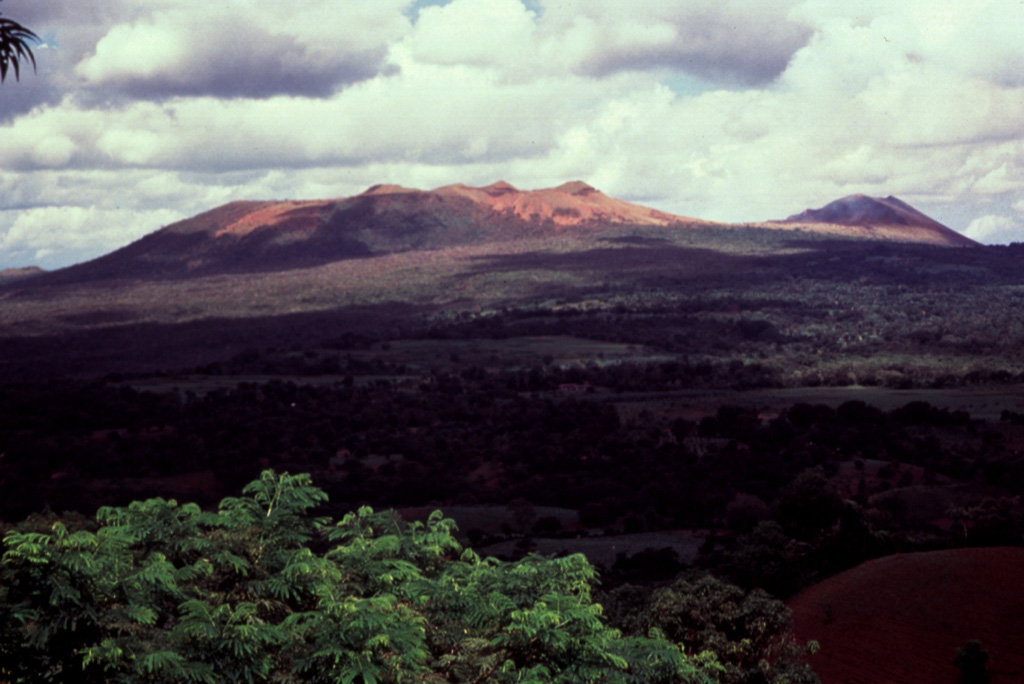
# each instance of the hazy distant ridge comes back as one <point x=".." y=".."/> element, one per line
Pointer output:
<point x="9" y="274"/>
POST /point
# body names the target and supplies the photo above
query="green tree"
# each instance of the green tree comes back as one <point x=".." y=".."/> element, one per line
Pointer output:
<point x="14" y="47"/>
<point x="749" y="632"/>
<point x="264" y="590"/>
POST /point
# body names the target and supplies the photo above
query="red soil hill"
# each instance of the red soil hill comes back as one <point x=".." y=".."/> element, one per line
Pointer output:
<point x="254" y="236"/>
<point x="250" y="236"/>
<point x="900" y="619"/>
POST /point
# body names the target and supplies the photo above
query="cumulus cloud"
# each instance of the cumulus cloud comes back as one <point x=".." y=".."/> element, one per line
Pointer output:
<point x="996" y="229"/>
<point x="244" y="49"/>
<point x="68" y="32"/>
<point x="981" y="39"/>
<point x="411" y="116"/>
<point x="734" y="110"/>
<point x="738" y="41"/>
<point x="733" y="40"/>
<point x="476" y="32"/>
<point x="35" y="235"/>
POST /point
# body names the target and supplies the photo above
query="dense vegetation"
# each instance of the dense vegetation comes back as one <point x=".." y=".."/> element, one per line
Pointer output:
<point x="262" y="589"/>
<point x="805" y="311"/>
<point x="885" y="315"/>
<point x="787" y="501"/>
<point x="611" y="401"/>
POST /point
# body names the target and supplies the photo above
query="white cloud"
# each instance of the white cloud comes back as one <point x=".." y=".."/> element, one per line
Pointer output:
<point x="998" y="181"/>
<point x="475" y="32"/>
<point x="979" y="38"/>
<point x="426" y="113"/>
<point x="179" y="105"/>
<point x="245" y="48"/>
<point x="38" y="235"/>
<point x="995" y="229"/>
<point x="736" y="40"/>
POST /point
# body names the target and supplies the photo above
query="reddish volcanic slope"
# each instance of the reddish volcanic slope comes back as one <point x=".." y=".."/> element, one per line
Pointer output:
<point x="247" y="237"/>
<point x="570" y="204"/>
<point x="875" y="217"/>
<point x="900" y="619"/>
<point x="385" y="219"/>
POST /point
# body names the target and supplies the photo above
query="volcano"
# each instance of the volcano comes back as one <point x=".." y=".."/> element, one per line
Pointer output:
<point x="265" y="236"/>
<point x="255" y="236"/>
<point x="885" y="218"/>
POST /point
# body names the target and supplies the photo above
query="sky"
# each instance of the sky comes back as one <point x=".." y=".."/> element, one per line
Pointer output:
<point x="144" y="113"/>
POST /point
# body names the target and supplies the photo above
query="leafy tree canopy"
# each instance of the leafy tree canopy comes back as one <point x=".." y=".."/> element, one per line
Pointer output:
<point x="263" y="590"/>
<point x="750" y="631"/>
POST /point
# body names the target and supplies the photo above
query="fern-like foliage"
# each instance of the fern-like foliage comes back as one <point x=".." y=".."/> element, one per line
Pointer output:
<point x="161" y="592"/>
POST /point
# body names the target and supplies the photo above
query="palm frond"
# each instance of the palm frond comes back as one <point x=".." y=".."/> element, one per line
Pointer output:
<point x="14" y="48"/>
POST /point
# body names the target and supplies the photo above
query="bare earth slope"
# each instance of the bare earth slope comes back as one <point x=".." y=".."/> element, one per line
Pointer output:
<point x="900" y="619"/>
<point x="885" y="218"/>
<point x="253" y="237"/>
<point x="386" y="219"/>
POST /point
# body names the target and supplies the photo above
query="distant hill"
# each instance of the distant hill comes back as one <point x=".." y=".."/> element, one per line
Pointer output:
<point x="879" y="218"/>
<point x="11" y="274"/>
<point x="901" y="618"/>
<point x="265" y="236"/>
<point x="385" y="219"/>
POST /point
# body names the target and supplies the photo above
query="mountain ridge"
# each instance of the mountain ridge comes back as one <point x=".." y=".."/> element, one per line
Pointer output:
<point x="19" y="272"/>
<point x="274" y="235"/>
<point x="881" y="217"/>
<point x="252" y="235"/>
